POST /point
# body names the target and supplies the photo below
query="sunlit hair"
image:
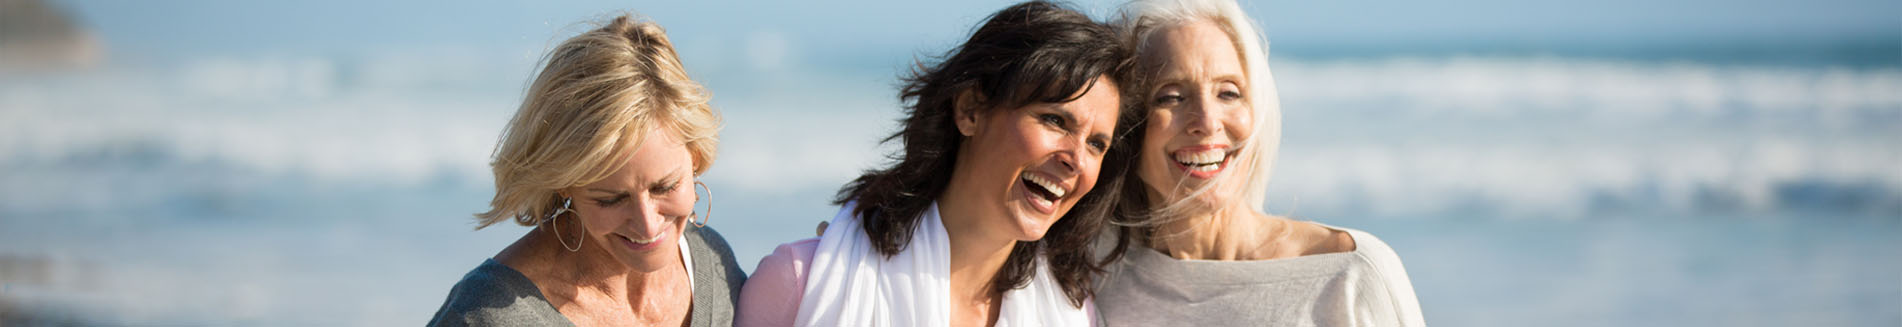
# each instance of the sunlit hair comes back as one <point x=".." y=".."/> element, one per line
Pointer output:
<point x="599" y="94"/>
<point x="1140" y="21"/>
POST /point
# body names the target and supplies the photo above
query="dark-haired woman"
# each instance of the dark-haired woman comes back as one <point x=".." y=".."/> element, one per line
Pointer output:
<point x="987" y="215"/>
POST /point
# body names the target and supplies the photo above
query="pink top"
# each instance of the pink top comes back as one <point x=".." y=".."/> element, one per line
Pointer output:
<point x="772" y="294"/>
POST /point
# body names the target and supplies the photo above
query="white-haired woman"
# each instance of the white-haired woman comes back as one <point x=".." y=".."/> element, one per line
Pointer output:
<point x="1196" y="247"/>
<point x="602" y="159"/>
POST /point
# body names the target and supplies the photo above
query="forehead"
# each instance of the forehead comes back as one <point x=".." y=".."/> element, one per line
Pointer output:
<point x="1196" y="47"/>
<point x="1098" y="106"/>
<point x="658" y="154"/>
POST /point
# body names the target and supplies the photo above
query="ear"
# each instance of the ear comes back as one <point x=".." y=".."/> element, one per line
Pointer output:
<point x="964" y="112"/>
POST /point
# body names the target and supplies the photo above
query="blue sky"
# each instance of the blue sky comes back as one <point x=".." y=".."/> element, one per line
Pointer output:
<point x="875" y="29"/>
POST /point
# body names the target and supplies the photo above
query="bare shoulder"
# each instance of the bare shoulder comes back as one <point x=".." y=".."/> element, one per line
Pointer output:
<point x="528" y="255"/>
<point x="1335" y="240"/>
<point x="1322" y="239"/>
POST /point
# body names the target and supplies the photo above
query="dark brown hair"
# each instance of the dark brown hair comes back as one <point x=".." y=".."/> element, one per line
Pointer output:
<point x="1033" y="52"/>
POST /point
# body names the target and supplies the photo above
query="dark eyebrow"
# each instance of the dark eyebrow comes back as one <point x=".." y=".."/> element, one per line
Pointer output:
<point x="1070" y="120"/>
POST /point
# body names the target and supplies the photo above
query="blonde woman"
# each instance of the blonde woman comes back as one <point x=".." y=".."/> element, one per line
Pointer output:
<point x="1196" y="248"/>
<point x="601" y="160"/>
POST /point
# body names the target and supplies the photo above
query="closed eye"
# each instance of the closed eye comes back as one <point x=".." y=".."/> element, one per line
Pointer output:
<point x="1229" y="91"/>
<point x="610" y="201"/>
<point x="664" y="188"/>
<point x="1229" y="95"/>
<point x="1168" y="99"/>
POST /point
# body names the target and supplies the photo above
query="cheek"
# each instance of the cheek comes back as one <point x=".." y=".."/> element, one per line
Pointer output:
<point x="679" y="204"/>
<point x="1240" y="122"/>
<point x="1087" y="182"/>
<point x="1152" y="157"/>
<point x="1015" y="145"/>
<point x="1162" y="127"/>
<point x="1160" y="120"/>
<point x="1153" y="167"/>
<point x="600" y="220"/>
<point x="1038" y="141"/>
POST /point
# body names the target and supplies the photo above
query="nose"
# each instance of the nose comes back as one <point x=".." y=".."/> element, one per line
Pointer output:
<point x="1200" y="116"/>
<point x="1072" y="149"/>
<point x="1068" y="159"/>
<point x="1076" y="156"/>
<point x="650" y="218"/>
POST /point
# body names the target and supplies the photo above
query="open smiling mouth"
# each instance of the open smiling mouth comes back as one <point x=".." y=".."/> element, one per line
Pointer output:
<point x="1043" y="191"/>
<point x="640" y="244"/>
<point x="1203" y="163"/>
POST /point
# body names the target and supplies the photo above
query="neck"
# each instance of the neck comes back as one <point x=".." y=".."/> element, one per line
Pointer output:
<point x="589" y="285"/>
<point x="1235" y="232"/>
<point x="589" y="270"/>
<point x="976" y="254"/>
<point x="650" y="293"/>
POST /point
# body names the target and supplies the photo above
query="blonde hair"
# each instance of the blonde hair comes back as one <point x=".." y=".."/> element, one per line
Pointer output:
<point x="1141" y="19"/>
<point x="588" y="109"/>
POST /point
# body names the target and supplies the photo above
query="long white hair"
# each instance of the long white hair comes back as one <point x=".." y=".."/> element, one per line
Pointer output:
<point x="1141" y="19"/>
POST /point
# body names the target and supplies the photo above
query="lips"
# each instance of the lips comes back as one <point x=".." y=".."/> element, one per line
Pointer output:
<point x="1046" y="185"/>
<point x="642" y="244"/>
<point x="1202" y="161"/>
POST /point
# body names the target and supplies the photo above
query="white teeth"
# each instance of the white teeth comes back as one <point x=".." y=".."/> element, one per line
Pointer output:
<point x="1207" y="157"/>
<point x="650" y="240"/>
<point x="1047" y="185"/>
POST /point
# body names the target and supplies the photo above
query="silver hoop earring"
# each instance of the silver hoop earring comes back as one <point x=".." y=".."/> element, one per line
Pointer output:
<point x="567" y="206"/>
<point x="702" y="223"/>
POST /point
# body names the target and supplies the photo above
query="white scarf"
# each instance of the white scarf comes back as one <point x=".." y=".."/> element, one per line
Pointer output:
<point x="851" y="284"/>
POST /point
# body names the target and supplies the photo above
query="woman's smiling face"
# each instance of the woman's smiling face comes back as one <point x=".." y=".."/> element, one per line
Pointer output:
<point x="1028" y="166"/>
<point x="638" y="213"/>
<point x="1199" y="113"/>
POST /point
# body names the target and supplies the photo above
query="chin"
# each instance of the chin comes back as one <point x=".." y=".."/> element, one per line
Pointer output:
<point x="665" y="257"/>
<point x="1033" y="233"/>
<point x="1029" y="226"/>
<point x="648" y="265"/>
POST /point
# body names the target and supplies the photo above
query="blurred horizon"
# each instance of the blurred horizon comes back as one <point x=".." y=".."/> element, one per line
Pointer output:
<point x="1691" y="162"/>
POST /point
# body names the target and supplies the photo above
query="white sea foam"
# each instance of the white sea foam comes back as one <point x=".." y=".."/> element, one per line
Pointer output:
<point x="1620" y="90"/>
<point x="86" y="161"/>
<point x="1525" y="136"/>
<point x="1570" y="138"/>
